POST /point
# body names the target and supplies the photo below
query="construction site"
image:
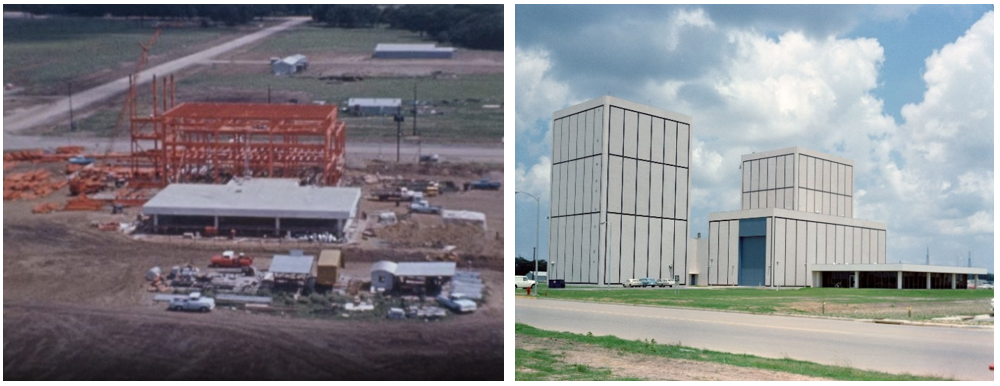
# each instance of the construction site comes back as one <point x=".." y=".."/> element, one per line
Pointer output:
<point x="244" y="204"/>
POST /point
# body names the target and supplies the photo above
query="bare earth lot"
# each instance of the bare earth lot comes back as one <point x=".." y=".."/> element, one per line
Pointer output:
<point x="75" y="308"/>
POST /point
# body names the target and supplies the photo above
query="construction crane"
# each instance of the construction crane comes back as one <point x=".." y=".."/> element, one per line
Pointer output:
<point x="143" y="59"/>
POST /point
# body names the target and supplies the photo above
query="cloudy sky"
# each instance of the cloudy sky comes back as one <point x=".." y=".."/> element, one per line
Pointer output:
<point x="904" y="91"/>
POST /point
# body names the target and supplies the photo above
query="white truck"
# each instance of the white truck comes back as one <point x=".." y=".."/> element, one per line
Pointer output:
<point x="422" y="206"/>
<point x="523" y="282"/>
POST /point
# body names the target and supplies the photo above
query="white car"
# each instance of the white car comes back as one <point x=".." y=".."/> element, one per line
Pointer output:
<point x="523" y="282"/>
<point x="194" y="302"/>
<point x="630" y="283"/>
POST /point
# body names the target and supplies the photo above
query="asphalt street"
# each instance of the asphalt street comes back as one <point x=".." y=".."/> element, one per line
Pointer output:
<point x="961" y="353"/>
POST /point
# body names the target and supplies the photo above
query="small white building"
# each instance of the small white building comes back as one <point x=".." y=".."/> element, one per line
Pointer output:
<point x="289" y="65"/>
<point x="412" y="51"/>
<point x="463" y="217"/>
<point x="388" y="275"/>
<point x="374" y="106"/>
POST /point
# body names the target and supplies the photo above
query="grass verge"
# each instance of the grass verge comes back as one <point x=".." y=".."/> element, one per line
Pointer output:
<point x="652" y="348"/>
<point x="542" y="365"/>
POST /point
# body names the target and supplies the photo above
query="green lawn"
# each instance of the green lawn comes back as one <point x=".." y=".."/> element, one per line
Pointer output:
<point x="541" y="365"/>
<point x="528" y="360"/>
<point x="42" y="55"/>
<point x="856" y="303"/>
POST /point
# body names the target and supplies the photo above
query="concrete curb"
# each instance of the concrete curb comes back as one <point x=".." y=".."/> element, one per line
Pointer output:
<point x="877" y="321"/>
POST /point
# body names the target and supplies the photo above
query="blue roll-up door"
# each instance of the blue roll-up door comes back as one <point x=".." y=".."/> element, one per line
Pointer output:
<point x="753" y="252"/>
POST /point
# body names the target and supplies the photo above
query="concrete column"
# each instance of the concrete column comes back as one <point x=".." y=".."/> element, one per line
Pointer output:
<point x="928" y="280"/>
<point x="216" y="222"/>
<point x="953" y="284"/>
<point x="156" y="220"/>
<point x="899" y="280"/>
<point x="277" y="226"/>
<point x="857" y="278"/>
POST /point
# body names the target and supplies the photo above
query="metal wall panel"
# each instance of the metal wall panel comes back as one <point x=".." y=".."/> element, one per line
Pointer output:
<point x="615" y="243"/>
<point x="831" y="244"/>
<point x="572" y="249"/>
<point x="789" y="171"/>
<point x="779" y="173"/>
<point x="821" y="242"/>
<point x="667" y="243"/>
<point x="560" y="245"/>
<point x="656" y="190"/>
<point x="734" y="247"/>
<point x="669" y="192"/>
<point x="645" y="140"/>
<point x="656" y="254"/>
<point x="573" y="137"/>
<point x="628" y="247"/>
<point x="841" y="206"/>
<point x="873" y="244"/>
<point x="755" y="175"/>
<point x="828" y="176"/>
<point x="599" y="130"/>
<point x="593" y="224"/>
<point x="571" y="203"/>
<point x="588" y="133"/>
<point x="802" y="244"/>
<point x="615" y="184"/>
<point x="746" y="175"/>
<point x="849" y="177"/>
<point x="641" y="247"/>
<point x="682" y="194"/>
<point x="631" y="133"/>
<point x="557" y="140"/>
<point x="582" y="143"/>
<point x="849" y="246"/>
<point x="628" y="186"/>
<point x="581" y="186"/>
<point x="811" y="173"/>
<point x="779" y="198"/>
<point x="810" y="201"/>
<point x="772" y="173"/>
<point x="722" y="264"/>
<point x="811" y="243"/>
<point x="762" y="203"/>
<point x="580" y="260"/>
<point x="779" y="257"/>
<point x="554" y="191"/>
<point x="771" y="199"/>
<point x="588" y="185"/>
<point x="670" y="142"/>
<point x="858" y="257"/>
<point x="866" y="246"/>
<point x="683" y="144"/>
<point x="803" y="201"/>
<point x="642" y="191"/>
<point x="566" y="138"/>
<point x="598" y="176"/>
<point x="563" y="188"/>
<point x="841" y="252"/>
<point x="826" y="203"/>
<point x="679" y="259"/>
<point x="617" y="132"/>
<point x="881" y="247"/>
<point x="803" y="170"/>
<point x="789" y="199"/>
<point x="553" y="239"/>
<point x="745" y="202"/>
<point x="656" y="153"/>
<point x="713" y="250"/>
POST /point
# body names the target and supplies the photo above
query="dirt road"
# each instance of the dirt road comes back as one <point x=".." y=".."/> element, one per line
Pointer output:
<point x="56" y="111"/>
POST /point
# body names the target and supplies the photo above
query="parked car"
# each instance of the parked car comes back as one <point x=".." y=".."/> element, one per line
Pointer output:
<point x="523" y="282"/>
<point x="648" y="281"/>
<point x="666" y="283"/>
<point x="632" y="283"/>
<point x="194" y="302"/>
<point x="422" y="206"/>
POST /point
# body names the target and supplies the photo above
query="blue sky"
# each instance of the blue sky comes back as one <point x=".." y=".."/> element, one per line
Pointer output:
<point x="904" y="91"/>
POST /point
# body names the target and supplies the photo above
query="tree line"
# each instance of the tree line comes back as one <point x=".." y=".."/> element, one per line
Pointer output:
<point x="471" y="26"/>
<point x="523" y="266"/>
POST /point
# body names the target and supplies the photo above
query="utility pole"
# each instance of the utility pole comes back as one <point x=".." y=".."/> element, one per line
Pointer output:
<point x="414" y="108"/>
<point x="537" y="231"/>
<point x="399" y="130"/>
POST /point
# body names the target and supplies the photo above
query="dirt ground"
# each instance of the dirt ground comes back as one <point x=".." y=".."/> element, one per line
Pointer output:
<point x="650" y="367"/>
<point x="75" y="308"/>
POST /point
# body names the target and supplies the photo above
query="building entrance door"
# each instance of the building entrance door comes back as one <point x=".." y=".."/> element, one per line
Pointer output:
<point x="752" y="261"/>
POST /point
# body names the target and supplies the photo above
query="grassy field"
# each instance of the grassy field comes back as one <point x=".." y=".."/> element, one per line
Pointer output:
<point x="851" y="303"/>
<point x="460" y="99"/>
<point x="527" y="360"/>
<point x="311" y="38"/>
<point x="542" y="365"/>
<point x="43" y="54"/>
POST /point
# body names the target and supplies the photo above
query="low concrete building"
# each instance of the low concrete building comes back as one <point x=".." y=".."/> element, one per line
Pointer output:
<point x="289" y="65"/>
<point x="412" y="51"/>
<point x="373" y="106"/>
<point x="253" y="207"/>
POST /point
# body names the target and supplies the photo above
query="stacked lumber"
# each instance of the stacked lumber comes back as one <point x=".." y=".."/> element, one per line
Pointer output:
<point x="30" y="185"/>
<point x="69" y="150"/>
<point x="24" y="155"/>
<point x="87" y="181"/>
<point x="82" y="202"/>
<point x="45" y="207"/>
<point x="7" y="165"/>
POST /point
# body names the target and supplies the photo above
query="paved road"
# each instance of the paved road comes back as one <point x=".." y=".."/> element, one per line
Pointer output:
<point x="56" y="111"/>
<point x="964" y="354"/>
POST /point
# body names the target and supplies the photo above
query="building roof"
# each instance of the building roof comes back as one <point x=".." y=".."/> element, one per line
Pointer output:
<point x="393" y="47"/>
<point x="416" y="269"/>
<point x="288" y="264"/>
<point x="796" y="150"/>
<point x="375" y="102"/>
<point x="295" y="59"/>
<point x="264" y="197"/>
<point x="331" y="258"/>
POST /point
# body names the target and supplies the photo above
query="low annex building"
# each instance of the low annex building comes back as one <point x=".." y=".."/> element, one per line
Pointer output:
<point x="254" y="206"/>
<point x="797" y="228"/>
<point x="412" y="51"/>
<point x="388" y="275"/>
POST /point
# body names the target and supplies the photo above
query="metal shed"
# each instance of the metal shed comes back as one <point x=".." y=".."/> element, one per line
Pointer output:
<point x="289" y="265"/>
<point x="412" y="51"/>
<point x="387" y="275"/>
<point x="383" y="275"/>
<point x="289" y="65"/>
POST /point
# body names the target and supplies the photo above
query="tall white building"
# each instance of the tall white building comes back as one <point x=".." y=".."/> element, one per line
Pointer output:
<point x="620" y="182"/>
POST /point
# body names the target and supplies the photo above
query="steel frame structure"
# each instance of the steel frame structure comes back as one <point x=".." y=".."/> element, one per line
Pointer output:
<point x="214" y="142"/>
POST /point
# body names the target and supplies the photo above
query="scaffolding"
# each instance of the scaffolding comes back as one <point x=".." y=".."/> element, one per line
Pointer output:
<point x="216" y="142"/>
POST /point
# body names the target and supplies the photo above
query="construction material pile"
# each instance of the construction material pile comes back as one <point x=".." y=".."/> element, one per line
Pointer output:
<point x="87" y="181"/>
<point x="30" y="185"/>
<point x="82" y="202"/>
<point x="46" y="207"/>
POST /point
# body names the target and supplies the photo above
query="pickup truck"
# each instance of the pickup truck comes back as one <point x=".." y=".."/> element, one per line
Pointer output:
<point x="523" y="282"/>
<point x="194" y="302"/>
<point x="228" y="259"/>
<point x="422" y="206"/>
<point x="484" y="184"/>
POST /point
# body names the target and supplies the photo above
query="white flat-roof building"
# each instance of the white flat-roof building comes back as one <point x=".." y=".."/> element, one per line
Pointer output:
<point x="254" y="206"/>
<point x="620" y="181"/>
<point x="412" y="51"/>
<point x="374" y="106"/>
